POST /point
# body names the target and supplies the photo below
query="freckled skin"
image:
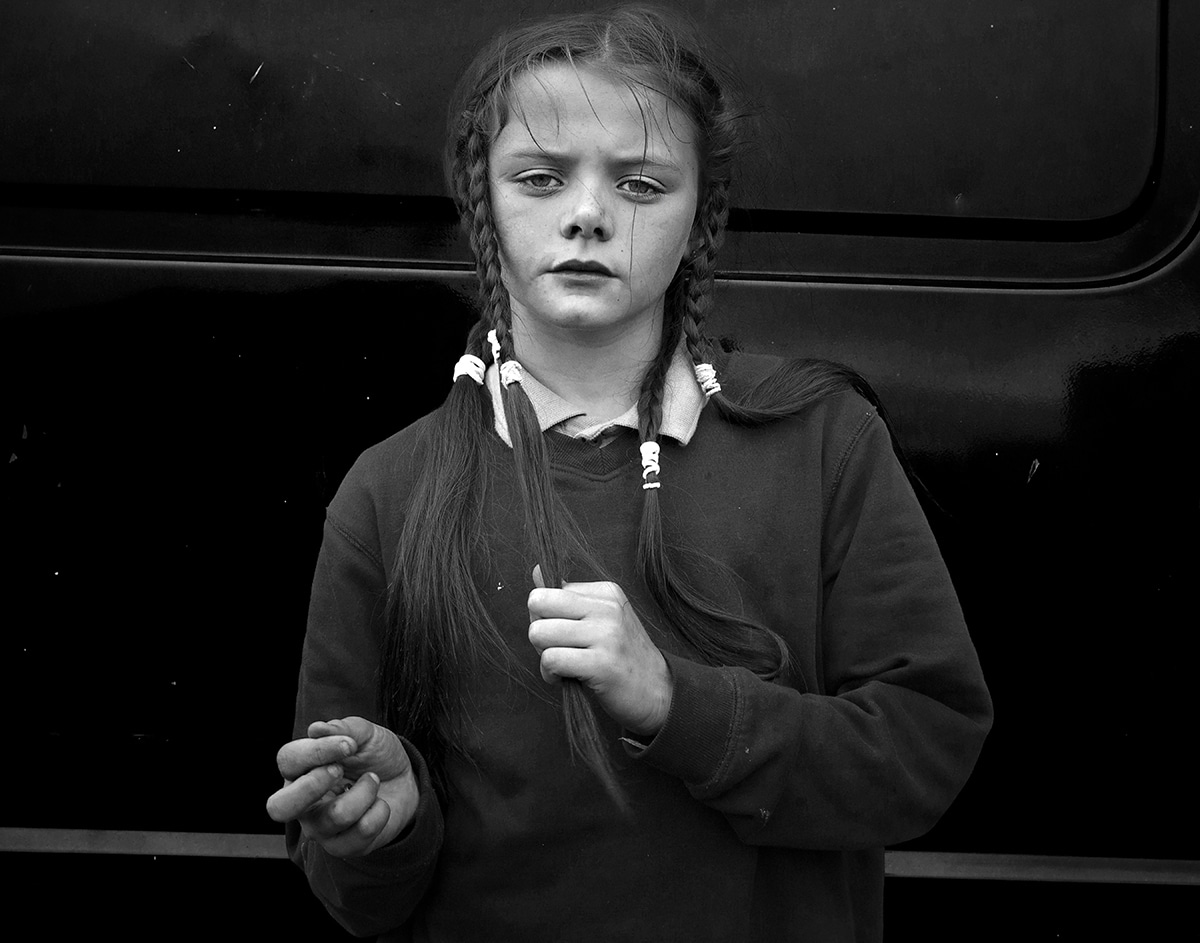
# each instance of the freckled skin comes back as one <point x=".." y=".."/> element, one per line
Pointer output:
<point x="568" y="182"/>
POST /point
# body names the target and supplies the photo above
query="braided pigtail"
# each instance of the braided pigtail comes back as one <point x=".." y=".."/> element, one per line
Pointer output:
<point x="700" y="272"/>
<point x="721" y="637"/>
<point x="649" y="410"/>
<point x="788" y="390"/>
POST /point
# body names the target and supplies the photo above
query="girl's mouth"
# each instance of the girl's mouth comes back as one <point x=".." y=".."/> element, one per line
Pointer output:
<point x="577" y="267"/>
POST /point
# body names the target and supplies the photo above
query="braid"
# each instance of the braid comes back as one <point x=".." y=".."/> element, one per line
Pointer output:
<point x="485" y="242"/>
<point x="698" y="287"/>
<point x="721" y="637"/>
<point x="650" y="397"/>
<point x="697" y="302"/>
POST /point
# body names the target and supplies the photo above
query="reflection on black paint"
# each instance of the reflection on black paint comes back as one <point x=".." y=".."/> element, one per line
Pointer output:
<point x="1025" y="111"/>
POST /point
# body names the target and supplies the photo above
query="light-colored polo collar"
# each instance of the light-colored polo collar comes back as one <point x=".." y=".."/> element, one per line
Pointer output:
<point x="683" y="401"/>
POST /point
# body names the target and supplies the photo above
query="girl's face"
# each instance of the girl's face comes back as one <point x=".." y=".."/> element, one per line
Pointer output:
<point x="594" y="193"/>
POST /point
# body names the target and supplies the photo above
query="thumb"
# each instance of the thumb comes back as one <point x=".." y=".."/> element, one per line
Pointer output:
<point x="379" y="749"/>
<point x="537" y="577"/>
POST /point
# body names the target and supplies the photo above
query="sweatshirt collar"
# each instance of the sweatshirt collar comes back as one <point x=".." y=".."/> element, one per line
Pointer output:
<point x="683" y="401"/>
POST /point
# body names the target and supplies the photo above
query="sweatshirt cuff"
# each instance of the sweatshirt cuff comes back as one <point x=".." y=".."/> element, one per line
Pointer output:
<point x="694" y="742"/>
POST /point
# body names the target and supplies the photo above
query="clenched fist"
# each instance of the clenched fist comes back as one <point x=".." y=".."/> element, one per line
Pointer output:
<point x="590" y="632"/>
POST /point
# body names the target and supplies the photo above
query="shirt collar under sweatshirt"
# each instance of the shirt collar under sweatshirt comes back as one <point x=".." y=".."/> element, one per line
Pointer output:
<point x="683" y="401"/>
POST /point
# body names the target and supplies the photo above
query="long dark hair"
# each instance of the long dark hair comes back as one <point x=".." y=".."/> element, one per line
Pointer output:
<point x="438" y="627"/>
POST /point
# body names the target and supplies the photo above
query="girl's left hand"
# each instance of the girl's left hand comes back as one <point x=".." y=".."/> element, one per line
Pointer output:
<point x="589" y="631"/>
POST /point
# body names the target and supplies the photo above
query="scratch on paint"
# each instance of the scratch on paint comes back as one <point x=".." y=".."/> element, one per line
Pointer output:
<point x="190" y="66"/>
<point x="328" y="65"/>
<point x="1033" y="470"/>
<point x="256" y="71"/>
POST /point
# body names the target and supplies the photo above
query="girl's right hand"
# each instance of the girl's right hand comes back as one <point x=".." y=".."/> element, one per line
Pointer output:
<point x="349" y="784"/>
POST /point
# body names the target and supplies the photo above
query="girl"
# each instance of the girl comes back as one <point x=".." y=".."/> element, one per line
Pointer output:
<point x="718" y="559"/>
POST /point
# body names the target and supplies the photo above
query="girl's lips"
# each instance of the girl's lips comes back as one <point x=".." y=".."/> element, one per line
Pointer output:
<point x="574" y="267"/>
<point x="580" y="275"/>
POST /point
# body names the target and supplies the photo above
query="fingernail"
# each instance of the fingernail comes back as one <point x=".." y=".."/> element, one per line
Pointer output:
<point x="333" y="770"/>
<point x="347" y="748"/>
<point x="374" y="777"/>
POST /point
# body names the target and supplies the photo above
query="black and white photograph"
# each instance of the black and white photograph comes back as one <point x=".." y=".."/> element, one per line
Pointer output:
<point x="553" y="472"/>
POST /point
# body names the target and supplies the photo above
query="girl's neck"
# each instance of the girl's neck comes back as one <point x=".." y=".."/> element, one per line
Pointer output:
<point x="598" y="371"/>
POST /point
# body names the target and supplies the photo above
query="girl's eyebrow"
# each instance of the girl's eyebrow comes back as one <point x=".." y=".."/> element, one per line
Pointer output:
<point x="642" y="162"/>
<point x="628" y="162"/>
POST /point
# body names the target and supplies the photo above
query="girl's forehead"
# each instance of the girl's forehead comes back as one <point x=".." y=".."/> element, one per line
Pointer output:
<point x="567" y="106"/>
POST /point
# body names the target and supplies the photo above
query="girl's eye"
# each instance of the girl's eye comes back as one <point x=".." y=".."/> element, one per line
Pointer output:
<point x="539" y="182"/>
<point x="641" y="188"/>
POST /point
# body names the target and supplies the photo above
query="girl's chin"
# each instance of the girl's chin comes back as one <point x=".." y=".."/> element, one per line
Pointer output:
<point x="589" y="320"/>
<point x="586" y="314"/>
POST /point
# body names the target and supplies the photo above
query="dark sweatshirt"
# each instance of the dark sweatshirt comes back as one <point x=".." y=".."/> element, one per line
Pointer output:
<point x="760" y="810"/>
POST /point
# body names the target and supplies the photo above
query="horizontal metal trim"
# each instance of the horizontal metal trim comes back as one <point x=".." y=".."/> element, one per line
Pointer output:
<point x="1001" y="867"/>
<point x="113" y="842"/>
<point x="898" y="864"/>
<point x="383" y="210"/>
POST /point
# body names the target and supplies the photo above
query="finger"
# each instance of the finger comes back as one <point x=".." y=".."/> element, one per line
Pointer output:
<point x="559" y="604"/>
<point x="360" y="838"/>
<point x="296" y="797"/>
<point x="583" y="664"/>
<point x="332" y="818"/>
<point x="358" y="729"/>
<point x="597" y="590"/>
<point x="298" y="757"/>
<point x="379" y="749"/>
<point x="324" y="728"/>
<point x="568" y="633"/>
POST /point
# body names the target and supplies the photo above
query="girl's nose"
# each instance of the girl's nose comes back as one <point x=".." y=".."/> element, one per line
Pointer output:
<point x="586" y="217"/>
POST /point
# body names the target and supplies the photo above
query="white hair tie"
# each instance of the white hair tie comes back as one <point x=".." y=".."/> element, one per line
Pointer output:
<point x="510" y="372"/>
<point x="650" y="465"/>
<point x="706" y="376"/>
<point x="470" y="366"/>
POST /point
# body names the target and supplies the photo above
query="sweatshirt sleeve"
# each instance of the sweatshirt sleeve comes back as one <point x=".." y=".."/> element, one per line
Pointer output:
<point x="376" y="892"/>
<point x="879" y="755"/>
